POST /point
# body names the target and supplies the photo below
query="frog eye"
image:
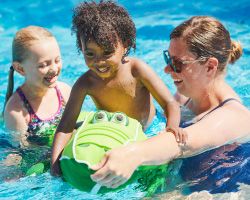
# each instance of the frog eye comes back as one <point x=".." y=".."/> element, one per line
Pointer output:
<point x="100" y="116"/>
<point x="120" y="118"/>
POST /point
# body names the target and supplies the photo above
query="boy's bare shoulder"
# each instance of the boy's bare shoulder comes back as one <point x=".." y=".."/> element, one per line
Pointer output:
<point x="136" y="62"/>
<point x="137" y="65"/>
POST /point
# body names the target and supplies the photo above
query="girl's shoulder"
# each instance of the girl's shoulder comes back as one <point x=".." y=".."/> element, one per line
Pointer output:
<point x="15" y="103"/>
<point x="15" y="113"/>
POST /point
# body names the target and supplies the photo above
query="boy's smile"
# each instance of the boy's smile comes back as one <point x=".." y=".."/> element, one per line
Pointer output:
<point x="102" y="69"/>
<point x="104" y="62"/>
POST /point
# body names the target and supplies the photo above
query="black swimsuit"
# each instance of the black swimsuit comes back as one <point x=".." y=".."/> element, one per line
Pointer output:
<point x="184" y="124"/>
<point x="219" y="170"/>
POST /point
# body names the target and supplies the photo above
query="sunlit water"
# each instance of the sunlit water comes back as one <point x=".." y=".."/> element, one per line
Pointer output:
<point x="154" y="21"/>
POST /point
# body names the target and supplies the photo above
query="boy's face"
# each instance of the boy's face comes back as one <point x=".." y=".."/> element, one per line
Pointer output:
<point x="105" y="63"/>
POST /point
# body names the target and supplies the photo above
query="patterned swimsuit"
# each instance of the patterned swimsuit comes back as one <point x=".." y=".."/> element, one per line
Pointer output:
<point x="41" y="131"/>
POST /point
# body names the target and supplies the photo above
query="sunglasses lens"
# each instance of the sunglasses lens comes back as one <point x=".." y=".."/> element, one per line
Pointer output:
<point x="178" y="66"/>
<point x="166" y="58"/>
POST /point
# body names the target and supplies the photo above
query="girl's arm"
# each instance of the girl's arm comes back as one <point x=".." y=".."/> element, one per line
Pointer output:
<point x="67" y="123"/>
<point x="160" y="92"/>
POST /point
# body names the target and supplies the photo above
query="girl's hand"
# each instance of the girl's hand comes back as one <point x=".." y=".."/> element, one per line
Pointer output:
<point x="13" y="159"/>
<point x="116" y="167"/>
<point x="180" y="135"/>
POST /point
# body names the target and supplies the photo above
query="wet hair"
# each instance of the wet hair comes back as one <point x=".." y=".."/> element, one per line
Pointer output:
<point x="105" y="23"/>
<point x="22" y="40"/>
<point x="207" y="37"/>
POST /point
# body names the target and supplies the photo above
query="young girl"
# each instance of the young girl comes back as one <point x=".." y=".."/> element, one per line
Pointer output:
<point x="36" y="107"/>
<point x="105" y="34"/>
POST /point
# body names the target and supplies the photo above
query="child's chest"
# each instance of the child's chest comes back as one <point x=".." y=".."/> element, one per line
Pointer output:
<point x="117" y="92"/>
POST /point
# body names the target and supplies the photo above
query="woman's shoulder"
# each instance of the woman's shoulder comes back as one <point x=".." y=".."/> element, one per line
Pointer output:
<point x="238" y="109"/>
<point x="229" y="122"/>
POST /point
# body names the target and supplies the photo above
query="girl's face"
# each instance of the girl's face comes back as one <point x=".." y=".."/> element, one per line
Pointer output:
<point x="43" y="63"/>
<point x="103" y="62"/>
<point x="192" y="76"/>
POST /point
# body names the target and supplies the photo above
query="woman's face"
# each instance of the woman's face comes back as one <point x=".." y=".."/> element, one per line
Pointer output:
<point x="191" y="78"/>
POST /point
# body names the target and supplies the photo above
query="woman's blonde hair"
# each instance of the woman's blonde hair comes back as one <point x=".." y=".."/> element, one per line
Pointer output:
<point x="22" y="40"/>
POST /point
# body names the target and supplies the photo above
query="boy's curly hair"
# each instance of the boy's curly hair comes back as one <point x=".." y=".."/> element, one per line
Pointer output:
<point x="106" y="23"/>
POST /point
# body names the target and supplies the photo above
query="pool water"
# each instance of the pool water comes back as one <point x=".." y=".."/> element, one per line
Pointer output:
<point x="154" y="21"/>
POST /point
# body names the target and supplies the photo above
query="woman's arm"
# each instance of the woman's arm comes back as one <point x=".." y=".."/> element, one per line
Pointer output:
<point x="67" y="123"/>
<point x="227" y="124"/>
<point x="119" y="164"/>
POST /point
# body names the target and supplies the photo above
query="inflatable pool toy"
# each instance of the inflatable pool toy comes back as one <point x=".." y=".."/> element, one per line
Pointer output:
<point x="101" y="131"/>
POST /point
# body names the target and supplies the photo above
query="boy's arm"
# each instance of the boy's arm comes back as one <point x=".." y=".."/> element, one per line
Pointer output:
<point x="159" y="91"/>
<point x="67" y="123"/>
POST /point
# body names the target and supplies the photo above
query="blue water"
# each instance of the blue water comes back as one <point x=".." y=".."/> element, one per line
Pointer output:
<point x="154" y="21"/>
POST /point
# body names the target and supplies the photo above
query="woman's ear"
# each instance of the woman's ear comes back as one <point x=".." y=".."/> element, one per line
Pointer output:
<point x="212" y="66"/>
<point x="17" y="66"/>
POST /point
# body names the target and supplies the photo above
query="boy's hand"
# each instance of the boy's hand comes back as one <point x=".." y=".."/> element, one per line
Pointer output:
<point x="55" y="169"/>
<point x="179" y="133"/>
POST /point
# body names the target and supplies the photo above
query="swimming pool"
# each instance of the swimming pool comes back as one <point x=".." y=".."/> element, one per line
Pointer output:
<point x="154" y="21"/>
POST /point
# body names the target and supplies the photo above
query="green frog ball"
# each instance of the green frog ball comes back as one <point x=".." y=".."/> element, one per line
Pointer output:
<point x="100" y="132"/>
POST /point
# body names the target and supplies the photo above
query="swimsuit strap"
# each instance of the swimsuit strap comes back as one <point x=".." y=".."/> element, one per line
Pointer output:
<point x="60" y="97"/>
<point x="220" y="105"/>
<point x="186" y="102"/>
<point x="29" y="107"/>
<point x="25" y="101"/>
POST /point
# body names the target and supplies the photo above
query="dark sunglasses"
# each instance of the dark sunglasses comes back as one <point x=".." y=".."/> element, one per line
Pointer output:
<point x="177" y="65"/>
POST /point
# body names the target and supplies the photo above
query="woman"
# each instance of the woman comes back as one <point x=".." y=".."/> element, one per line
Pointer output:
<point x="199" y="51"/>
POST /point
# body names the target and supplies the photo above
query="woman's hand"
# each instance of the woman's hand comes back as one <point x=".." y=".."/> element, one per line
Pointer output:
<point x="111" y="171"/>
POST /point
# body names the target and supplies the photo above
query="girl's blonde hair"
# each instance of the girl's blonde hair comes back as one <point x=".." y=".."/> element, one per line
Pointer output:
<point x="22" y="40"/>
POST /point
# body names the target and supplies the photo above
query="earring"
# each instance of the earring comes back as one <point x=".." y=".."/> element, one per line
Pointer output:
<point x="124" y="56"/>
